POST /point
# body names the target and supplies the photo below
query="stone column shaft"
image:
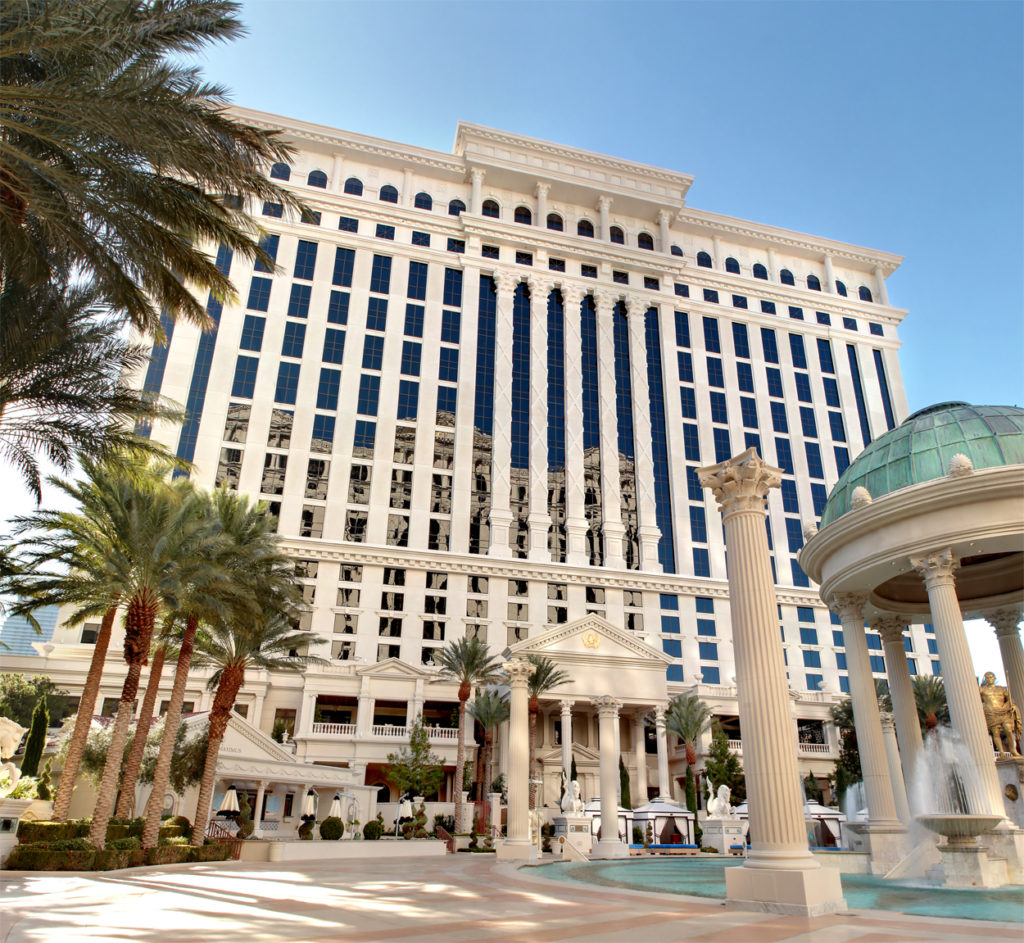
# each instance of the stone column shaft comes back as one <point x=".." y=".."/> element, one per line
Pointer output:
<point x="257" y="813"/>
<point x="501" y="434"/>
<point x="883" y="294"/>
<point x="664" y="783"/>
<point x="608" y="720"/>
<point x="901" y="692"/>
<point x="640" y="756"/>
<point x="892" y="757"/>
<point x="1005" y="622"/>
<point x="475" y="195"/>
<point x="830" y="275"/>
<point x="567" y="740"/>
<point x="664" y="239"/>
<point x="603" y="205"/>
<point x="575" y="486"/>
<point x="965" y="711"/>
<point x="517" y="841"/>
<point x="611" y="499"/>
<point x="541" y="219"/>
<point x="539" y="518"/>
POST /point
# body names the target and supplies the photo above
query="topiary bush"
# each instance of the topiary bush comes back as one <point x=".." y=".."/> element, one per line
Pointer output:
<point x="245" y="822"/>
<point x="332" y="828"/>
<point x="182" y="822"/>
<point x="124" y="844"/>
<point x="306" y="828"/>
<point x="372" y="830"/>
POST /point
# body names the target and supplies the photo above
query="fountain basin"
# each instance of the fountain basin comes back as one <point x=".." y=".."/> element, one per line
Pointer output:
<point x="959" y="828"/>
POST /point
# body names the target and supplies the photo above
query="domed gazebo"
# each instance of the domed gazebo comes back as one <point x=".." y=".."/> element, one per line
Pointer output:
<point x="927" y="525"/>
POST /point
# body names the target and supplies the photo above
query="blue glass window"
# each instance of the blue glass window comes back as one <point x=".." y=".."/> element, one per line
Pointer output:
<point x="693" y="489"/>
<point x="698" y="525"/>
<point x="703" y="260"/>
<point x="417" y="287"/>
<point x="585" y="228"/>
<point x="344" y="262"/>
<point x="337" y="307"/>
<point x="448" y="368"/>
<point x="732" y="266"/>
<point x="670" y="624"/>
<point x="408" y="399"/>
<point x="825" y="356"/>
<point x="685" y="360"/>
<point x="740" y="341"/>
<point x="385" y="232"/>
<point x="380" y="276"/>
<point x="864" y="293"/>
<point x="354" y="186"/>
<point x="259" y="294"/>
<point x="450" y="326"/>
<point x="719" y="412"/>
<point x="706" y="627"/>
<point x="748" y="409"/>
<point x="790" y="502"/>
<point x="365" y="433"/>
<point x="841" y="288"/>
<point x="688" y="400"/>
<point x="490" y="252"/>
<point x="484" y="404"/>
<point x="556" y="395"/>
<point x="456" y="245"/>
<point x="311" y="217"/>
<point x="452" y="297"/>
<point x="369" y="393"/>
<point x="823" y="317"/>
<point x="616" y="235"/>
<point x="373" y="351"/>
<point x="803" y="387"/>
<point x="294" y="338"/>
<point x="705" y="604"/>
<point x="323" y="433"/>
<point x="812" y="659"/>
<point x="751" y="440"/>
<point x="769" y="346"/>
<point x="245" y="377"/>
<point x="850" y="324"/>
<point x="523" y="215"/>
<point x="767" y="307"/>
<point x="774" y="377"/>
<point x="682" y="329"/>
<point x="806" y="614"/>
<point x="287" y="382"/>
<point x="877" y="664"/>
<point x="786" y="277"/>
<point x="819" y="495"/>
<point x="346" y="224"/>
<point x="556" y="265"/>
<point x="709" y="674"/>
<point x="456" y="208"/>
<point x="280" y="171"/>
<point x="701" y="562"/>
<point x="799" y="577"/>
<point x="711" y="295"/>
<point x="858" y="390"/>
<point x="738" y="301"/>
<point x="423" y="201"/>
<point x="813" y="283"/>
<point x="388" y="194"/>
<point x="273" y="209"/>
<point x="807" y="423"/>
<point x="652" y="284"/>
<point x="672" y="647"/>
<point x="691" y="442"/>
<point x="797" y="314"/>
<point x="447" y="397"/>
<point x="334" y="345"/>
<point x="683" y="291"/>
<point x="796" y="346"/>
<point x="779" y="421"/>
<point x="520" y="426"/>
<point x="838" y="429"/>
<point x="377" y="314"/>
<point x="327" y="392"/>
<point x="760" y="271"/>
<point x="555" y="222"/>
<point x="814" y="467"/>
<point x="420" y="238"/>
<point x="711" y="339"/>
<point x="716" y="376"/>
<point x="883" y="384"/>
<point x="587" y="271"/>
<point x="745" y="377"/>
<point x="645" y="241"/>
<point x="298" y="300"/>
<point x="411" y="358"/>
<point x="305" y="259"/>
<point x="252" y="333"/>
<point x="831" y="391"/>
<point x="784" y="455"/>
<point x="708" y="651"/>
<point x="723" y="446"/>
<point x="842" y="459"/>
<point x="794" y="537"/>
<point x="876" y="329"/>
<point x="414" y="320"/>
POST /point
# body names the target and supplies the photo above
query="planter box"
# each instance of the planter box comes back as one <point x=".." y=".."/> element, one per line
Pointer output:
<point x="11" y="811"/>
<point x="335" y="850"/>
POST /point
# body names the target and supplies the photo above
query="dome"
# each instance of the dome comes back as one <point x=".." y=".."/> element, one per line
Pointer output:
<point x="921" y="447"/>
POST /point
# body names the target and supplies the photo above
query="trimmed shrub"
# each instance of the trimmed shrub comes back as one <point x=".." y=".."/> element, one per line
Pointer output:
<point x="213" y="852"/>
<point x="245" y="822"/>
<point x="123" y="844"/>
<point x="332" y="828"/>
<point x="306" y="828"/>
<point x="172" y="831"/>
<point x="112" y="859"/>
<point x="169" y="854"/>
<point x="41" y="857"/>
<point x="182" y="822"/>
<point x="372" y="830"/>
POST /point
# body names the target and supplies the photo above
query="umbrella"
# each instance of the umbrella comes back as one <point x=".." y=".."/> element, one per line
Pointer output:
<point x="229" y="804"/>
<point x="309" y="808"/>
<point x="335" y="812"/>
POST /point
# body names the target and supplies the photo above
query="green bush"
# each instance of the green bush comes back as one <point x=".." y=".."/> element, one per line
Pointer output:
<point x="122" y="844"/>
<point x="30" y="833"/>
<point x="173" y="840"/>
<point x="708" y="850"/>
<point x="332" y="828"/>
<point x="372" y="830"/>
<point x="212" y="852"/>
<point x="169" y="854"/>
<point x="182" y="822"/>
<point x="172" y="831"/>
<point x="112" y="859"/>
<point x="69" y="844"/>
<point x="42" y="858"/>
<point x="306" y="828"/>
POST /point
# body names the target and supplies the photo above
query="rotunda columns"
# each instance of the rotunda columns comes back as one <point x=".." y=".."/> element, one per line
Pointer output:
<point x="965" y="711"/>
<point x="1005" y="622"/>
<point x="780" y="874"/>
<point x="664" y="782"/>
<point x="892" y="758"/>
<point x="609" y="845"/>
<point x="517" y="843"/>
<point x="640" y="757"/>
<point x="901" y="691"/>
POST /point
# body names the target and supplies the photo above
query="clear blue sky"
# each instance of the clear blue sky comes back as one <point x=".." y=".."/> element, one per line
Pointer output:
<point x="897" y="126"/>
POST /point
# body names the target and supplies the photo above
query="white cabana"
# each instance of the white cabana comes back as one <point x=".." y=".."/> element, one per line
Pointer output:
<point x="671" y="823"/>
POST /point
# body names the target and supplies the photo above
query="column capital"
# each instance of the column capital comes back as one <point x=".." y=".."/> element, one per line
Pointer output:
<point x="540" y="285"/>
<point x="664" y="216"/>
<point x="636" y="306"/>
<point x="607" y="706"/>
<point x="887" y="720"/>
<point x="849" y="606"/>
<point x="476" y="175"/>
<point x="566" y="704"/>
<point x="741" y="483"/>
<point x="572" y="296"/>
<point x="542" y="189"/>
<point x="604" y="300"/>
<point x="506" y="282"/>
<point x="936" y="568"/>
<point x="604" y="202"/>
<point x="1004" y="621"/>
<point x="659" y="714"/>
<point x="518" y="671"/>
<point x="890" y="628"/>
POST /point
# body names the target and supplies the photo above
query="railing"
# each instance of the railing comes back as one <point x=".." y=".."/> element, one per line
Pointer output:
<point x="819" y="749"/>
<point x="387" y="730"/>
<point x="335" y="730"/>
<point x="736" y="746"/>
<point x="443" y="733"/>
<point x="218" y="833"/>
<point x="447" y="838"/>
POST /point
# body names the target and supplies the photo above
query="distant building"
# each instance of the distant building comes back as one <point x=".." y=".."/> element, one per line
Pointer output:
<point x="17" y="636"/>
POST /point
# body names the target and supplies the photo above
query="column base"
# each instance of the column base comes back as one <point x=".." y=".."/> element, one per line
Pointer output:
<point x="804" y="893"/>
<point x="609" y="849"/>
<point x="1008" y="844"/>
<point x="516" y="851"/>
<point x="971" y="867"/>
<point x="885" y="842"/>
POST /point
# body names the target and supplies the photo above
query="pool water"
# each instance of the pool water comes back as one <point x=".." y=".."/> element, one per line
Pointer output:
<point x="705" y="877"/>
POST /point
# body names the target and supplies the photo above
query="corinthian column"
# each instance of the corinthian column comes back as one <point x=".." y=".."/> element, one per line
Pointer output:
<point x="780" y="874"/>
<point x="892" y="758"/>
<point x="476" y="178"/>
<point x="603" y="205"/>
<point x="640" y="758"/>
<point x="575" y="490"/>
<point x="566" y="715"/>
<point x="1005" y="622"/>
<point x="664" y="218"/>
<point x="608" y="718"/>
<point x="517" y="843"/>
<point x="664" y="783"/>
<point x="965" y="713"/>
<point x="539" y="518"/>
<point x="541" y="219"/>
<point x="901" y="692"/>
<point x="611" y="499"/>
<point x="501" y="427"/>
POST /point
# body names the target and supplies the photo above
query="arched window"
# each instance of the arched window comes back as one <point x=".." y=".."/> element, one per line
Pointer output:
<point x="388" y="194"/>
<point x="554" y="222"/>
<point x="864" y="293"/>
<point x="280" y="172"/>
<point x="676" y="250"/>
<point x="317" y="178"/>
<point x="585" y="228"/>
<point x="731" y="265"/>
<point x="760" y="271"/>
<point x="490" y="208"/>
<point x="456" y="208"/>
<point x="786" y="277"/>
<point x="523" y="215"/>
<point x="840" y="288"/>
<point x="354" y="186"/>
<point x="645" y="241"/>
<point x="704" y="260"/>
<point x="617" y="236"/>
<point x="423" y="201"/>
<point x="813" y="283"/>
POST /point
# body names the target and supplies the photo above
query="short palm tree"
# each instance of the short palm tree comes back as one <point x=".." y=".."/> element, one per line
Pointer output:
<point x="545" y="676"/>
<point x="269" y="643"/>
<point x="842" y="713"/>
<point x="465" y="660"/>
<point x="930" y="697"/>
<point x="688" y="717"/>
<point x="489" y="710"/>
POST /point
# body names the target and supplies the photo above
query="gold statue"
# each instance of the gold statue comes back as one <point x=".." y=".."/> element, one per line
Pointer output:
<point x="1001" y="716"/>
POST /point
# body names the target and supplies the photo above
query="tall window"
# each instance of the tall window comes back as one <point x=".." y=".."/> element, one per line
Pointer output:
<point x="627" y="451"/>
<point x="591" y="431"/>
<point x="659" y="441"/>
<point x="556" y="426"/>
<point x="483" y="419"/>
<point x="519" y="497"/>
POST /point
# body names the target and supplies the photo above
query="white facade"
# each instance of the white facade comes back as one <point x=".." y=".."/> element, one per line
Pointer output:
<point x="452" y="519"/>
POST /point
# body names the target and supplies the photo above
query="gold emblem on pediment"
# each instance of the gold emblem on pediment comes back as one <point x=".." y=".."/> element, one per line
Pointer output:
<point x="591" y="639"/>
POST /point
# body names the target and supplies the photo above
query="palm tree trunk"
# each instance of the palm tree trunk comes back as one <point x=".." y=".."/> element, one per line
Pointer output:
<point x="486" y="791"/>
<point x="227" y="691"/>
<point x="126" y="801"/>
<point x="83" y="720"/>
<point x="115" y="754"/>
<point x="162" y="774"/>
<point x="460" y="764"/>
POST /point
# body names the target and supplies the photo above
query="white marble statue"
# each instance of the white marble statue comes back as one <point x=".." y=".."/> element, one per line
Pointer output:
<point x="572" y="801"/>
<point x="10" y="737"/>
<point x="718" y="805"/>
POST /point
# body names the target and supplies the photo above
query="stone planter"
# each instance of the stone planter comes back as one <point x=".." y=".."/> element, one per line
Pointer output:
<point x="11" y="811"/>
<point x="40" y="810"/>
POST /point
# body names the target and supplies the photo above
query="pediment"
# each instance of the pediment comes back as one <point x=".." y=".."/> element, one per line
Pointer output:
<point x="584" y="756"/>
<point x="242" y="739"/>
<point x="395" y="668"/>
<point x="591" y="637"/>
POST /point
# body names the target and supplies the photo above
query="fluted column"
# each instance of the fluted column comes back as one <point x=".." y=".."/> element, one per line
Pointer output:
<point x="664" y="783"/>
<point x="476" y="178"/>
<point x="664" y="239"/>
<point x="830" y="275"/>
<point x="539" y="518"/>
<point x="640" y="758"/>
<point x="779" y="838"/>
<point x="965" y="712"/>
<point x="257" y="812"/>
<point x="541" y="218"/>
<point x="892" y="758"/>
<point x="864" y="697"/>
<point x="901" y="692"/>
<point x="643" y="448"/>
<point x="517" y="843"/>
<point x="604" y="204"/>
<point x="608" y="719"/>
<point x="575" y="488"/>
<point x="1005" y="622"/>
<point x="501" y="432"/>
<point x="610" y="494"/>
<point x="566" y="716"/>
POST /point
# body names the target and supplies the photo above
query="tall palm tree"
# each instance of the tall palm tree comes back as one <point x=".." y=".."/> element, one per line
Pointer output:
<point x="230" y="649"/>
<point x="545" y="676"/>
<point x="465" y="660"/>
<point x="118" y="161"/>
<point x="245" y="565"/>
<point x="688" y="717"/>
<point x="489" y="710"/>
<point x="930" y="697"/>
<point x="842" y="712"/>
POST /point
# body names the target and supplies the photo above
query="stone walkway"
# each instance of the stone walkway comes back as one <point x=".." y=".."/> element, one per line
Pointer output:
<point x="460" y="899"/>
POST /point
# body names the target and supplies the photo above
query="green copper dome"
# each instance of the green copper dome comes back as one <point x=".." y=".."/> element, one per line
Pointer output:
<point x="920" y="449"/>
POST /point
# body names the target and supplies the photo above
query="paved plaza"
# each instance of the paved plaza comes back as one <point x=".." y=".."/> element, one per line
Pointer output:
<point x="462" y="899"/>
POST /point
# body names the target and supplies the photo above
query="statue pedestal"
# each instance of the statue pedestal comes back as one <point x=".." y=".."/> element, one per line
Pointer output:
<point x="1010" y="770"/>
<point x="576" y="830"/>
<point x="723" y="833"/>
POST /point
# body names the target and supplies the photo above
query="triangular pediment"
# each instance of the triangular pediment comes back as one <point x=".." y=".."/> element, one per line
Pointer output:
<point x="584" y="756"/>
<point x="242" y="739"/>
<point x="591" y="637"/>
<point x="395" y="668"/>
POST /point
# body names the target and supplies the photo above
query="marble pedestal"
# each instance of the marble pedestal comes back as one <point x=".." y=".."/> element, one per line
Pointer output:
<point x="887" y="844"/>
<point x="723" y="833"/>
<point x="803" y="893"/>
<point x="971" y="867"/>
<point x="1010" y="770"/>
<point x="576" y="830"/>
<point x="516" y="850"/>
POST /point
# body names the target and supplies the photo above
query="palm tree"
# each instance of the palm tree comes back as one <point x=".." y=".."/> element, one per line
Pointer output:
<point x="489" y="710"/>
<point x="245" y="564"/>
<point x="63" y="360"/>
<point x="544" y="677"/>
<point x="842" y="713"/>
<point x="118" y="162"/>
<point x="688" y="717"/>
<point x="465" y="660"/>
<point x="930" y="697"/>
<point x="269" y="643"/>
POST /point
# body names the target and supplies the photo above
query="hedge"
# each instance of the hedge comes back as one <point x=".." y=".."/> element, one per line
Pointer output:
<point x="213" y="852"/>
<point x="169" y="854"/>
<point x="111" y="859"/>
<point x="75" y="854"/>
<point x="44" y="858"/>
<point x="30" y="833"/>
